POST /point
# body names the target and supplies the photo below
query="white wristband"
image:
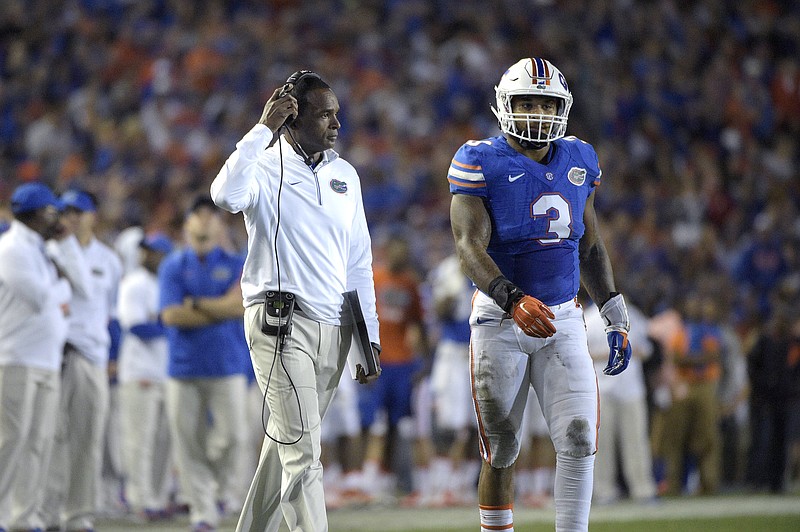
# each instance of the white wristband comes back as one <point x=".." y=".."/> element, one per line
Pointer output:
<point x="615" y="314"/>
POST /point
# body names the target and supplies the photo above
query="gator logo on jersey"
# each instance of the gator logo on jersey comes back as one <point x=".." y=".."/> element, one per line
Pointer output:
<point x="340" y="187"/>
<point x="577" y="176"/>
<point x="221" y="273"/>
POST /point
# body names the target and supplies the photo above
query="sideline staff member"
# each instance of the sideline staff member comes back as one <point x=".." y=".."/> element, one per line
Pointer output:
<point x="208" y="363"/>
<point x="307" y="235"/>
<point x="34" y="301"/>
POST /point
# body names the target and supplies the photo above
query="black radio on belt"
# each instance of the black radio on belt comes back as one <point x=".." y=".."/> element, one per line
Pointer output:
<point x="278" y="310"/>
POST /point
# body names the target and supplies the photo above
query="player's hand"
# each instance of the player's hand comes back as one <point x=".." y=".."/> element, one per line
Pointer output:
<point x="620" y="353"/>
<point x="277" y="109"/>
<point x="615" y="315"/>
<point x="533" y="317"/>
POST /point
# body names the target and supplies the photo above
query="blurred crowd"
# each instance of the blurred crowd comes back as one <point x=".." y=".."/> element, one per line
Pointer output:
<point x="693" y="108"/>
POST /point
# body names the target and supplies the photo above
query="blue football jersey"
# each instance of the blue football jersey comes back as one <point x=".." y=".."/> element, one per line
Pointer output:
<point x="536" y="209"/>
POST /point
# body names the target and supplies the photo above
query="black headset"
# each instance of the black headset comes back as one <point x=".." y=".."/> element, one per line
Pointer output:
<point x="290" y="85"/>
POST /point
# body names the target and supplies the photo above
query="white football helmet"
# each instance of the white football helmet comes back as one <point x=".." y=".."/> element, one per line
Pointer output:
<point x="538" y="77"/>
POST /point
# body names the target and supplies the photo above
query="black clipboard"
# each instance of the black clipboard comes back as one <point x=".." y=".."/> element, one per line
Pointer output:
<point x="363" y="355"/>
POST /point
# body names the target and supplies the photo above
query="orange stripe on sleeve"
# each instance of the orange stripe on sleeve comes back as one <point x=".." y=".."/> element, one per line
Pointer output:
<point x="465" y="166"/>
<point x="465" y="184"/>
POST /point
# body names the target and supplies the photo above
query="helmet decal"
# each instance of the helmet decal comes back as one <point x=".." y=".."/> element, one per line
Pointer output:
<point x="542" y="76"/>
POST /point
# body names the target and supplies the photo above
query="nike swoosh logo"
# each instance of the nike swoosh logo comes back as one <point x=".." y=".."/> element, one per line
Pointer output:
<point x="295" y="183"/>
<point x="511" y="179"/>
<point x="482" y="321"/>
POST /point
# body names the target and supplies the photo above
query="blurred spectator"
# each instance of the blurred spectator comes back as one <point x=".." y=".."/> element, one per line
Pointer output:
<point x="762" y="264"/>
<point x="774" y="370"/>
<point x="455" y="468"/>
<point x="691" y="425"/>
<point x="33" y="329"/>
<point x="624" y="432"/>
<point x="399" y="306"/>
<point x="201" y="304"/>
<point x="733" y="393"/>
<point x="127" y="244"/>
<point x="144" y="432"/>
<point x="110" y="497"/>
<point x="74" y="477"/>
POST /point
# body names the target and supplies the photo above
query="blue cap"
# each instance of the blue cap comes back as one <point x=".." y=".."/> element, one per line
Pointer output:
<point x="33" y="196"/>
<point x="157" y="242"/>
<point x="78" y="199"/>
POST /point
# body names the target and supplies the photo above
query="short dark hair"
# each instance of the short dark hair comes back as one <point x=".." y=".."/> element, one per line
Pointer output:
<point x="201" y="202"/>
<point x="305" y="86"/>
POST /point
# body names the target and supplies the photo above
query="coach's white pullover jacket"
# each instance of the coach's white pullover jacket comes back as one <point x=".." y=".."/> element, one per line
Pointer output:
<point x="33" y="327"/>
<point x="322" y="240"/>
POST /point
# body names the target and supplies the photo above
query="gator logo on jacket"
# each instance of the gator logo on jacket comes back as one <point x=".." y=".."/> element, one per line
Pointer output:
<point x="340" y="187"/>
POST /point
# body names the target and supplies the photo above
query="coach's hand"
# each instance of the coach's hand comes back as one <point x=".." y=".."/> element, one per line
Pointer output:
<point x="533" y="317"/>
<point x="277" y="109"/>
<point x="615" y="316"/>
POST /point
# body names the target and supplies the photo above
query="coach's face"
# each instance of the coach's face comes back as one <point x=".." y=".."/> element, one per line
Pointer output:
<point x="317" y="127"/>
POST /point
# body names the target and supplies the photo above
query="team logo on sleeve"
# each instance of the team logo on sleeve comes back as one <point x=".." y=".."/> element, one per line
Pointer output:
<point x="340" y="187"/>
<point x="577" y="176"/>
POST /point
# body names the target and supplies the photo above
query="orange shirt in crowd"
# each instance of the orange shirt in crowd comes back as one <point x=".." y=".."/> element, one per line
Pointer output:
<point x="399" y="307"/>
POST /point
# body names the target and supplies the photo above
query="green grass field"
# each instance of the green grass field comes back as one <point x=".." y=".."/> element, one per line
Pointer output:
<point x="780" y="523"/>
<point x="728" y="513"/>
<point x="732" y="513"/>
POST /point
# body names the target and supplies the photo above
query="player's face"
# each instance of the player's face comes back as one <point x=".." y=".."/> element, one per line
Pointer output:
<point x="533" y="105"/>
<point x="317" y="127"/>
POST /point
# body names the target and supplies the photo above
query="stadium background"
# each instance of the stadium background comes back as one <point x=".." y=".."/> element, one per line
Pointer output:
<point x="693" y="107"/>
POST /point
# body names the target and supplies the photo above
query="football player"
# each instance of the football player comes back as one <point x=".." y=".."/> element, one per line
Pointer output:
<point x="526" y="232"/>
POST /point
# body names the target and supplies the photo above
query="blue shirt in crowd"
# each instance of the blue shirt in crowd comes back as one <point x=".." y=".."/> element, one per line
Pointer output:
<point x="215" y="350"/>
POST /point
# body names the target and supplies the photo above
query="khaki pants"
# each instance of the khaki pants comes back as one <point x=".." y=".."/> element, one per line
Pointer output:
<point x="28" y="408"/>
<point x="207" y="453"/>
<point x="692" y="426"/>
<point x="74" y="474"/>
<point x="624" y="436"/>
<point x="146" y="449"/>
<point x="298" y="386"/>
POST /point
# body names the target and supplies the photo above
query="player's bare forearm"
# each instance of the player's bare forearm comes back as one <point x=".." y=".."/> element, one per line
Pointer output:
<point x="597" y="276"/>
<point x="472" y="230"/>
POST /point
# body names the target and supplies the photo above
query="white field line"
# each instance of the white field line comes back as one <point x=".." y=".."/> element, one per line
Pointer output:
<point x="391" y="519"/>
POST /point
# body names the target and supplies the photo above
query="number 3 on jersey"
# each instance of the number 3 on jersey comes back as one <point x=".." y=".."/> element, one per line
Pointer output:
<point x="558" y="213"/>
